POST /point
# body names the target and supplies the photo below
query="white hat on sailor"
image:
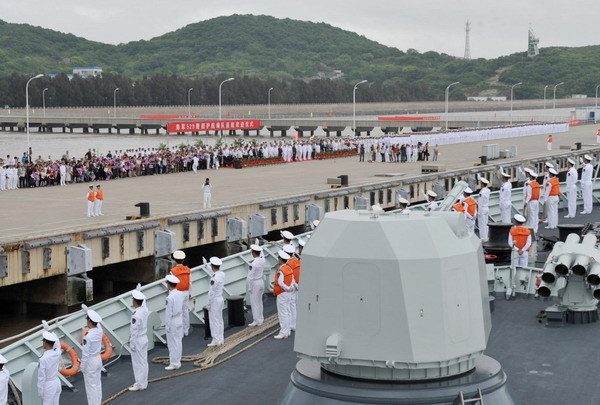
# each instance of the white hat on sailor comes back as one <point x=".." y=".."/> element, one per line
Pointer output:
<point x="283" y="255"/>
<point x="287" y="235"/>
<point x="3" y="359"/>
<point x="468" y="190"/>
<point x="302" y="242"/>
<point x="138" y="295"/>
<point x="403" y="200"/>
<point x="484" y="180"/>
<point x="179" y="255"/>
<point x="50" y="336"/>
<point x="316" y="222"/>
<point x="519" y="218"/>
<point x="553" y="171"/>
<point x="256" y="248"/>
<point x="549" y="165"/>
<point x="215" y="261"/>
<point x="572" y="161"/>
<point x="289" y="249"/>
<point x="94" y="316"/>
<point x="505" y="175"/>
<point x="430" y="193"/>
<point x="172" y="279"/>
<point x="588" y="158"/>
<point x="527" y="170"/>
<point x="532" y="173"/>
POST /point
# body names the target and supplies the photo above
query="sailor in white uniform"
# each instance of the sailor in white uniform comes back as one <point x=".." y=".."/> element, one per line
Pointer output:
<point x="483" y="209"/>
<point x="403" y="205"/>
<point x="505" y="198"/>
<point x="571" y="189"/>
<point x="516" y="237"/>
<point x="215" y="302"/>
<point x="174" y="322"/>
<point x="430" y="197"/>
<point x="91" y="363"/>
<point x="49" y="386"/>
<point x="543" y="199"/>
<point x="586" y="184"/>
<point x="4" y="379"/>
<point x="256" y="285"/>
<point x="138" y="340"/>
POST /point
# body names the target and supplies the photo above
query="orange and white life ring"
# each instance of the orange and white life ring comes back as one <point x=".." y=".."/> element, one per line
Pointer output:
<point x="106" y="352"/>
<point x="75" y="363"/>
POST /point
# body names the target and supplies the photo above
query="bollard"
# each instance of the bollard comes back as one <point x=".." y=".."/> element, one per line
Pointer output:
<point x="235" y="311"/>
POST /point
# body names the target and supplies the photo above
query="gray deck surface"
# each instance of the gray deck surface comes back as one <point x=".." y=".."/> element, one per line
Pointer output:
<point x="545" y="366"/>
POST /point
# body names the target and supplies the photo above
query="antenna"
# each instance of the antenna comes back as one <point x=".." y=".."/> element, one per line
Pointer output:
<point x="467" y="42"/>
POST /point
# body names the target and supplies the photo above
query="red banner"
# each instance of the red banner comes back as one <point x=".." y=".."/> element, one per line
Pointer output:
<point x="168" y="116"/>
<point x="431" y="118"/>
<point x="225" y="125"/>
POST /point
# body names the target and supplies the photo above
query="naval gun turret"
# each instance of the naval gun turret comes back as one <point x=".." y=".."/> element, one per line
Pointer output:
<point x="393" y="308"/>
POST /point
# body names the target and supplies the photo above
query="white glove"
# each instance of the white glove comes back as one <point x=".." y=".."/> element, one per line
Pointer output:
<point x="204" y="261"/>
<point x="45" y="325"/>
<point x="84" y="308"/>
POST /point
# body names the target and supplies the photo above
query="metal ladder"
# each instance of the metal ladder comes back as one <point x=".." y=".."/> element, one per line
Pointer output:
<point x="478" y="398"/>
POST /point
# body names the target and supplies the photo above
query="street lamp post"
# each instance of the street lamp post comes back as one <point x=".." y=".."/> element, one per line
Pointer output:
<point x="224" y="81"/>
<point x="447" y="95"/>
<point x="27" y="111"/>
<point x="44" y="100"/>
<point x="354" y="105"/>
<point x="554" y="100"/>
<point x="545" y="87"/>
<point x="269" y="101"/>
<point x="115" y="102"/>
<point x="511" y="98"/>
<point x="190" y="102"/>
<point x="596" y="109"/>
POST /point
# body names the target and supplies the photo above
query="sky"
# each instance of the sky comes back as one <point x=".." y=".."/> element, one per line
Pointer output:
<point x="497" y="27"/>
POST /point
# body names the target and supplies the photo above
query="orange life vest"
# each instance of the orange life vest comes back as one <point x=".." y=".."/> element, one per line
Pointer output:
<point x="471" y="206"/>
<point x="535" y="190"/>
<point x="288" y="275"/>
<point x="519" y="235"/>
<point x="555" y="190"/>
<point x="294" y="263"/>
<point x="458" y="207"/>
<point x="550" y="139"/>
<point x="91" y="196"/>
<point x="99" y="195"/>
<point x="183" y="274"/>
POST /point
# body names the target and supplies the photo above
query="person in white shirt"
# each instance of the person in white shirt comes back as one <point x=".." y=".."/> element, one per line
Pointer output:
<point x="215" y="302"/>
<point x="91" y="363"/>
<point x="505" y="198"/>
<point x="532" y="194"/>
<point x="519" y="239"/>
<point x="571" y="189"/>
<point x="543" y="199"/>
<point x="403" y="205"/>
<point x="49" y="386"/>
<point x="483" y="209"/>
<point x="207" y="189"/>
<point x="63" y="174"/>
<point x="174" y="322"/>
<point x="256" y="285"/>
<point x="138" y="340"/>
<point x="4" y="379"/>
<point x="195" y="161"/>
<point x="430" y="197"/>
<point x="586" y="184"/>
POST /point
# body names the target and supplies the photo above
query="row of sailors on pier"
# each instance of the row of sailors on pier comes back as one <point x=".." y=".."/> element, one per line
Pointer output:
<point x="177" y="322"/>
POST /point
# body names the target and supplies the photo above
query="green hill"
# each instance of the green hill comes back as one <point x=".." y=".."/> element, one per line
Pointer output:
<point x="284" y="49"/>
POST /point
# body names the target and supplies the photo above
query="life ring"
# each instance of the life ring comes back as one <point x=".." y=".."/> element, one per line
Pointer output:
<point x="75" y="363"/>
<point x="107" y="346"/>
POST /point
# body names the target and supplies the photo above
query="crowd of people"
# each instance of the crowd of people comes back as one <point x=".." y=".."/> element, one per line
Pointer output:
<point x="382" y="150"/>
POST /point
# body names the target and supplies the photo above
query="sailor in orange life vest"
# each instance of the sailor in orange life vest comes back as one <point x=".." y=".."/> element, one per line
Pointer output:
<point x="174" y="322"/>
<point x="403" y="205"/>
<point x="91" y="363"/>
<point x="294" y="263"/>
<point x="91" y="198"/>
<point x="183" y="273"/>
<point x="519" y="239"/>
<point x="505" y="198"/>
<point x="49" y="386"/>
<point x="138" y="340"/>
<point x="483" y="208"/>
<point x="549" y="143"/>
<point x="99" y="201"/>
<point x="532" y="196"/>
<point x="552" y="192"/>
<point x="4" y="379"/>
<point x="282" y="288"/>
<point x="470" y="210"/>
<point x="215" y="302"/>
<point x="571" y="189"/>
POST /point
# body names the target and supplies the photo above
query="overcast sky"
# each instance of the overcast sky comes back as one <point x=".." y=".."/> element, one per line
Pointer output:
<point x="498" y="27"/>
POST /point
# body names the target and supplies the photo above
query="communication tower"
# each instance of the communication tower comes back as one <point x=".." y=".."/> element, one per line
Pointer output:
<point x="532" y="48"/>
<point x="467" y="42"/>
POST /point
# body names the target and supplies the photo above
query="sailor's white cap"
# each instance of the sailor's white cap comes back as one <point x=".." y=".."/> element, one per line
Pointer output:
<point x="505" y="175"/>
<point x="179" y="255"/>
<point x="402" y="200"/>
<point x="215" y="261"/>
<point x="588" y="157"/>
<point x="468" y="190"/>
<point x="519" y="218"/>
<point x="553" y="171"/>
<point x="283" y="255"/>
<point x="3" y="359"/>
<point x="50" y="336"/>
<point x="549" y="165"/>
<point x="484" y="180"/>
<point x="287" y="235"/>
<point x="572" y="161"/>
<point x="527" y="170"/>
<point x="172" y="279"/>
<point x="316" y="222"/>
<point x="98" y="185"/>
<point x="289" y="249"/>
<point x="377" y="209"/>
<point x="138" y="295"/>
<point x="431" y="194"/>
<point x="532" y="173"/>
<point x="301" y="242"/>
<point x="256" y="248"/>
<point x="94" y="316"/>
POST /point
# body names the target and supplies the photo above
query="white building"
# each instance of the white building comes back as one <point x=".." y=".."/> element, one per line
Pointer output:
<point x="87" y="71"/>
